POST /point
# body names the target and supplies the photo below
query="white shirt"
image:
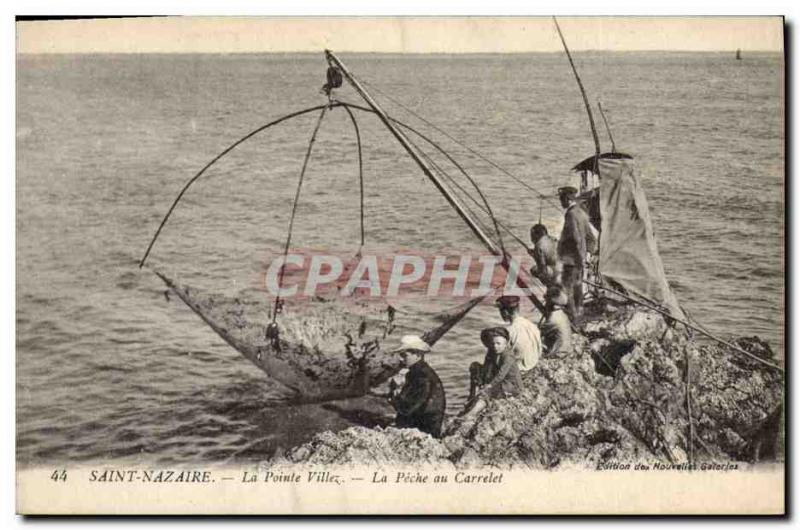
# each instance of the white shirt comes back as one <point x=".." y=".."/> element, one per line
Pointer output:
<point x="526" y="342"/>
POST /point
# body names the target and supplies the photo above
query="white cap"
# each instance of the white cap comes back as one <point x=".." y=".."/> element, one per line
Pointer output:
<point x="413" y="342"/>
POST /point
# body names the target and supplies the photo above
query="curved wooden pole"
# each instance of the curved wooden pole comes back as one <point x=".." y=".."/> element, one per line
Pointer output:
<point x="211" y="163"/>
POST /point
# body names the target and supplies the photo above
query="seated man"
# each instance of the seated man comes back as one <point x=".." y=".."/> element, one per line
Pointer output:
<point x="547" y="267"/>
<point x="556" y="328"/>
<point x="524" y="338"/>
<point x="421" y="402"/>
<point x="498" y="377"/>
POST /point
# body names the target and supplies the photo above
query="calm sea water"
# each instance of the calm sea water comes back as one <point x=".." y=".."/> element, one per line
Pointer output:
<point x="107" y="368"/>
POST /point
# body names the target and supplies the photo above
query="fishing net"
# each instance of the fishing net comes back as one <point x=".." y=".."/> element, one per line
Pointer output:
<point x="326" y="349"/>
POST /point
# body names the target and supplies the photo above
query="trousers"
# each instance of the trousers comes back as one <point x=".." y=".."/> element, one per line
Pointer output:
<point x="572" y="280"/>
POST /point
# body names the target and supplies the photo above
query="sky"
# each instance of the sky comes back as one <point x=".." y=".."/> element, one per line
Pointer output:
<point x="398" y="35"/>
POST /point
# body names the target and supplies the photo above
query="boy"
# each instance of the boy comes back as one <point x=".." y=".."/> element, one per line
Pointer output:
<point x="498" y="377"/>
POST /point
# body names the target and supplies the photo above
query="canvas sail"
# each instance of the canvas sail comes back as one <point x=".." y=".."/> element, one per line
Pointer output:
<point x="628" y="252"/>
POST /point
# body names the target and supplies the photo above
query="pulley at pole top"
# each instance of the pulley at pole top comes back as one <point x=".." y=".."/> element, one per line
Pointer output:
<point x="335" y="79"/>
<point x="332" y="59"/>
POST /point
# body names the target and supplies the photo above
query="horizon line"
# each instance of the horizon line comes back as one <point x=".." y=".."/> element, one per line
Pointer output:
<point x="365" y="52"/>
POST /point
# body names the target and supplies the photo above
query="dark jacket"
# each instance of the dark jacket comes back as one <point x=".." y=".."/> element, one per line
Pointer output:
<point x="421" y="402"/>
<point x="501" y="374"/>
<point x="574" y="236"/>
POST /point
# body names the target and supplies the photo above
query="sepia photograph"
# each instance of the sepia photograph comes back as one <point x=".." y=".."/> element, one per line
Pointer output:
<point x="400" y="265"/>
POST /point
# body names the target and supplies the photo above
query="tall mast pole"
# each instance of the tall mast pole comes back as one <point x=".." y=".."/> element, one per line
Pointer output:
<point x="585" y="102"/>
<point x="411" y="151"/>
<point x="401" y="137"/>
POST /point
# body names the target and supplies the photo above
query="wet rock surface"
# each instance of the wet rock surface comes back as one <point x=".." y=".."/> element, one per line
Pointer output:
<point x="620" y="396"/>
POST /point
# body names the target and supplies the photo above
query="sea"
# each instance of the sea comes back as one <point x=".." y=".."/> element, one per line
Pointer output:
<point x="108" y="369"/>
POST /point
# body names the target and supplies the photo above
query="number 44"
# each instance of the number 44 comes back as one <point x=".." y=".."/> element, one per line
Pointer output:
<point x="59" y="474"/>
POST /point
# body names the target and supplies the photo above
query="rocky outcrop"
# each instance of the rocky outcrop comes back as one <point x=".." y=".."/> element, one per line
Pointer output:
<point x="375" y="446"/>
<point x="620" y="396"/>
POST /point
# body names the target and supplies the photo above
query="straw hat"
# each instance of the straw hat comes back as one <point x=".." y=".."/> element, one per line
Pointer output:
<point x="413" y="343"/>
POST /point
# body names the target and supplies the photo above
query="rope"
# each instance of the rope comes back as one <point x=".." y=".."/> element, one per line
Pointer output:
<point x="465" y="192"/>
<point x="475" y="201"/>
<point x="452" y="185"/>
<point x="448" y="181"/>
<point x="211" y="163"/>
<point x="536" y="302"/>
<point x="360" y="172"/>
<point x="689" y="404"/>
<point x="455" y="163"/>
<point x="503" y="226"/>
<point x="332" y="105"/>
<point x="465" y="146"/>
<point x="689" y="325"/>
<point x="294" y="211"/>
<point x="488" y="209"/>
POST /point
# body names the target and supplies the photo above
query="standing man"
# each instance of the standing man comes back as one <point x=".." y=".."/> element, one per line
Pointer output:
<point x="524" y="338"/>
<point x="421" y="402"/>
<point x="545" y="255"/>
<point x="575" y="237"/>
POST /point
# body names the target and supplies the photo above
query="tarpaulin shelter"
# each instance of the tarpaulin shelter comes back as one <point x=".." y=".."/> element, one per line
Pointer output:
<point x="629" y="255"/>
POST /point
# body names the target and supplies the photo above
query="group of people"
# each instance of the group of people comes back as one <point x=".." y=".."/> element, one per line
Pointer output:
<point x="513" y="349"/>
<point x="563" y="262"/>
